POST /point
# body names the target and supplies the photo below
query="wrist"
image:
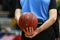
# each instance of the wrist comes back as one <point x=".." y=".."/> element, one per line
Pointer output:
<point x="39" y="29"/>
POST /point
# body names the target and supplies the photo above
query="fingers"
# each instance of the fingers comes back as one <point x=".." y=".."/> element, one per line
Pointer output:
<point x="24" y="31"/>
<point x="27" y="29"/>
<point x="30" y="32"/>
<point x="32" y="29"/>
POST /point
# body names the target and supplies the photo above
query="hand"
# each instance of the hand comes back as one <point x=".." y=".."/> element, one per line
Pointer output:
<point x="28" y="31"/>
<point x="34" y="33"/>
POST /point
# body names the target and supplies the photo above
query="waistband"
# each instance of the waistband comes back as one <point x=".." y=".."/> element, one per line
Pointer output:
<point x="40" y="21"/>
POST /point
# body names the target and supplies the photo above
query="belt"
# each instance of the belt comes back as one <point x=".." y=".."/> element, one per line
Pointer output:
<point x="40" y="21"/>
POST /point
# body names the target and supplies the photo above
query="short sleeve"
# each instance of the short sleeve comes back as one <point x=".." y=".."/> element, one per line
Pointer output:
<point x="18" y="5"/>
<point x="52" y="4"/>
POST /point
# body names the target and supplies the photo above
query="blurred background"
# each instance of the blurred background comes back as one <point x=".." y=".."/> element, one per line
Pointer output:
<point x="8" y="24"/>
<point x="9" y="29"/>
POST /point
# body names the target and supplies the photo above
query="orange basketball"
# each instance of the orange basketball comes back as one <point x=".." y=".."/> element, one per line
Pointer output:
<point x="28" y="19"/>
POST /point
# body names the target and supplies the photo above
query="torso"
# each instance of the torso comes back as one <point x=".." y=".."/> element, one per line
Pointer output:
<point x="38" y="7"/>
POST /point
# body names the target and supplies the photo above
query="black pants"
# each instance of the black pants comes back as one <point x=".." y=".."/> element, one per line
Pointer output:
<point x="48" y="34"/>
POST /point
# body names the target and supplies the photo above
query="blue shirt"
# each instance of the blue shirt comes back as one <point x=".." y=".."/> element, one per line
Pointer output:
<point x="38" y="7"/>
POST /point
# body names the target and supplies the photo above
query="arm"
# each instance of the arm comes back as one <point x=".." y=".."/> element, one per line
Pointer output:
<point x="17" y="14"/>
<point x="18" y="10"/>
<point x="52" y="16"/>
<point x="50" y="21"/>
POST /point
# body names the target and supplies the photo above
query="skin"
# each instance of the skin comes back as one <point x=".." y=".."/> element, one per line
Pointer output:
<point x="32" y="33"/>
<point x="58" y="2"/>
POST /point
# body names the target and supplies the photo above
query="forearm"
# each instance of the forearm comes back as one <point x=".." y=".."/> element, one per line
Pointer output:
<point x="17" y="14"/>
<point x="50" y="21"/>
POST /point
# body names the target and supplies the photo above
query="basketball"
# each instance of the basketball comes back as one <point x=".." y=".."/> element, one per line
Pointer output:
<point x="27" y="19"/>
